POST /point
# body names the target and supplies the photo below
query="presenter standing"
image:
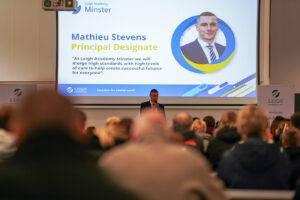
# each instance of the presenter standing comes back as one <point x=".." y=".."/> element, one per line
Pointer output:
<point x="204" y="50"/>
<point x="152" y="103"/>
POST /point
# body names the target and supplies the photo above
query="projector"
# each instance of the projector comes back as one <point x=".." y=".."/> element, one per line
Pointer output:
<point x="59" y="5"/>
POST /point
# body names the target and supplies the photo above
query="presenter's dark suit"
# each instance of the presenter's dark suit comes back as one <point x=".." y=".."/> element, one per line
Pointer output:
<point x="194" y="52"/>
<point x="147" y="104"/>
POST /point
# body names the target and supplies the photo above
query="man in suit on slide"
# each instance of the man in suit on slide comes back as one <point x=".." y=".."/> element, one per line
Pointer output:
<point x="204" y="50"/>
<point x="152" y="103"/>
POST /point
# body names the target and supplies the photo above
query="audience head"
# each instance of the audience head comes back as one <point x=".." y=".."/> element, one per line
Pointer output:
<point x="252" y="121"/>
<point x="175" y="136"/>
<point x="183" y="119"/>
<point x="120" y="132"/>
<point x="210" y="124"/>
<point x="112" y="121"/>
<point x="90" y="131"/>
<point x="295" y="120"/>
<point x="229" y="119"/>
<point x="186" y="133"/>
<point x="80" y="121"/>
<point x="42" y="111"/>
<point x="195" y="118"/>
<point x="277" y="125"/>
<point x="291" y="138"/>
<point x="79" y="126"/>
<point x="150" y="123"/>
<point x="199" y="126"/>
<point x="210" y="121"/>
<point x="125" y="127"/>
<point x="106" y="134"/>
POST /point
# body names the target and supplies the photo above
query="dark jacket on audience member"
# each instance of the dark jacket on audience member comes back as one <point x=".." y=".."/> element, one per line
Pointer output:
<point x="225" y="139"/>
<point x="51" y="165"/>
<point x="297" y="194"/>
<point x="294" y="155"/>
<point x="255" y="164"/>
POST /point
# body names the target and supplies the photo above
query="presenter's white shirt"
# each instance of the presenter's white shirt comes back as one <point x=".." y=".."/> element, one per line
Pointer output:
<point x="152" y="103"/>
<point x="206" y="49"/>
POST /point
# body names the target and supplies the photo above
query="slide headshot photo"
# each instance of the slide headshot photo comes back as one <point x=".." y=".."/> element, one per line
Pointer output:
<point x="204" y="49"/>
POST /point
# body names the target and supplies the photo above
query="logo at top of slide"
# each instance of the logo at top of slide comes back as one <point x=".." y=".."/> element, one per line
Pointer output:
<point x="203" y="54"/>
<point x="78" y="8"/>
<point x="92" y="7"/>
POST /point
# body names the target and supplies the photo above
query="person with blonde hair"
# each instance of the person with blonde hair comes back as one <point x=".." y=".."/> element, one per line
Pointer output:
<point x="112" y="121"/>
<point x="226" y="136"/>
<point x="105" y="134"/>
<point x="123" y="130"/>
<point x="254" y="163"/>
<point x="199" y="127"/>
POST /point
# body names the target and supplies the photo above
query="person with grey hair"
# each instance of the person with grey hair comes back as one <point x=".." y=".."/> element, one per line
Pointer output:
<point x="157" y="169"/>
<point x="182" y="123"/>
<point x="254" y="163"/>
<point x="183" y="119"/>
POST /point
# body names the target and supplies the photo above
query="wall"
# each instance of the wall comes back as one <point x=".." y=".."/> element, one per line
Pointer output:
<point x="28" y="55"/>
<point x="28" y="42"/>
<point x="284" y="43"/>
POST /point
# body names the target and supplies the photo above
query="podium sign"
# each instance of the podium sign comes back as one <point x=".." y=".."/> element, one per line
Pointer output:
<point x="13" y="94"/>
<point x="277" y="100"/>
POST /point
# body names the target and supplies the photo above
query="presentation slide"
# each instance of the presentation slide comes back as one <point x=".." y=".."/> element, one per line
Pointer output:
<point x="192" y="51"/>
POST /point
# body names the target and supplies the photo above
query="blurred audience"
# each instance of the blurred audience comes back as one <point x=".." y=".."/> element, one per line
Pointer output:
<point x="291" y="144"/>
<point x="210" y="124"/>
<point x="254" y="164"/>
<point x="79" y="126"/>
<point x="115" y="132"/>
<point x="122" y="134"/>
<point x="297" y="194"/>
<point x="195" y="118"/>
<point x="277" y="128"/>
<point x="182" y="123"/>
<point x="295" y="120"/>
<point x="7" y="138"/>
<point x="156" y="169"/>
<point x="105" y="134"/>
<point x="199" y="127"/>
<point x="92" y="144"/>
<point x="50" y="163"/>
<point x="226" y="136"/>
<point x="93" y="141"/>
<point x="183" y="119"/>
